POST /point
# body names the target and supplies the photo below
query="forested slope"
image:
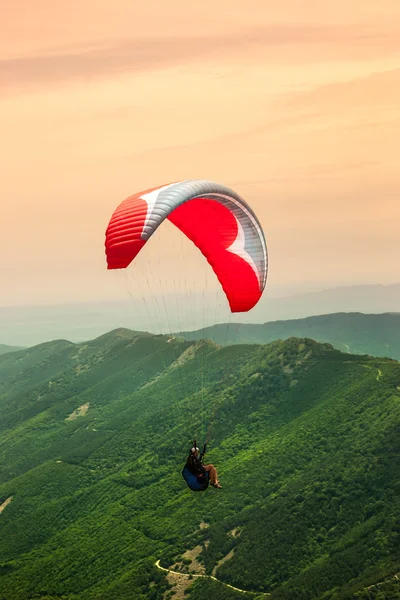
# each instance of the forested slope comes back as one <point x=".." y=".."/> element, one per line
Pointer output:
<point x="93" y="437"/>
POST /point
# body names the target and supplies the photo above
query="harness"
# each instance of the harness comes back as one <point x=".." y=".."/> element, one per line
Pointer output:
<point x="194" y="472"/>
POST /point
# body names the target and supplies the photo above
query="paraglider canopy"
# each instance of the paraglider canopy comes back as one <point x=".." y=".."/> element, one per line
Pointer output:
<point x="216" y="219"/>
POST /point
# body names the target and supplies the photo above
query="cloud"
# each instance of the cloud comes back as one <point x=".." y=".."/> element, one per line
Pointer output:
<point x="315" y="170"/>
<point x="372" y="99"/>
<point x="279" y="44"/>
<point x="380" y="90"/>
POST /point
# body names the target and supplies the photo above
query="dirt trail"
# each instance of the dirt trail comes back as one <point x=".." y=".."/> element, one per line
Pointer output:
<point x="380" y="374"/>
<point x="180" y="586"/>
<point x="194" y="575"/>
<point x="5" y="503"/>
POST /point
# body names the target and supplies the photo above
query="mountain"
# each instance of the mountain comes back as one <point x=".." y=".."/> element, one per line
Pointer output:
<point x="358" y="298"/>
<point x="29" y="325"/>
<point x="356" y="333"/>
<point x="4" y="349"/>
<point x="94" y="436"/>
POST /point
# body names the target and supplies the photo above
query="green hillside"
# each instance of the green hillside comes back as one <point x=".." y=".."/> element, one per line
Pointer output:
<point x="94" y="436"/>
<point x="356" y="333"/>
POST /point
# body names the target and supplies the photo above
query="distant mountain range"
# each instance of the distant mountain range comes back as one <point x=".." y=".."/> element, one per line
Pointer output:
<point x="93" y="437"/>
<point x="355" y="333"/>
<point x="4" y="348"/>
<point x="377" y="335"/>
<point x="359" y="298"/>
<point x="29" y="325"/>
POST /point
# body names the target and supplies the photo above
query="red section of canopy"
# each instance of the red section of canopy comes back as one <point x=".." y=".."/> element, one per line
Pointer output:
<point x="123" y="235"/>
<point x="212" y="228"/>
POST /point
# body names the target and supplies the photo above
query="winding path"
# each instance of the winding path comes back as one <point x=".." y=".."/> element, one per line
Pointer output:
<point x="157" y="564"/>
<point x="5" y="503"/>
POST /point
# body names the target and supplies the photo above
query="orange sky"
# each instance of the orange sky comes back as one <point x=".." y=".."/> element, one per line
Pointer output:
<point x="295" y="105"/>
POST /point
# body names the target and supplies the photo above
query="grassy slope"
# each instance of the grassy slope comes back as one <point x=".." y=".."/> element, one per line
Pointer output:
<point x="377" y="335"/>
<point x="304" y="438"/>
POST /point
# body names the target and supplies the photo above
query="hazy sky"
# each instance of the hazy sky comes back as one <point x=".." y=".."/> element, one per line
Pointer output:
<point x="294" y="104"/>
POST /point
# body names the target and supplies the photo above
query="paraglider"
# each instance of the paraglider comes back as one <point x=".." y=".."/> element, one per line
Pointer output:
<point x="227" y="232"/>
<point x="198" y="475"/>
<point x="217" y="220"/>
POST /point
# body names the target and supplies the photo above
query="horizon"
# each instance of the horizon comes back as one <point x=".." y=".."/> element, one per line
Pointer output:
<point x="277" y="292"/>
<point x="29" y="325"/>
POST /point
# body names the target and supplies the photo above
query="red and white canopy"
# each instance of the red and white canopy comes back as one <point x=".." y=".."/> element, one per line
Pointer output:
<point x="217" y="220"/>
